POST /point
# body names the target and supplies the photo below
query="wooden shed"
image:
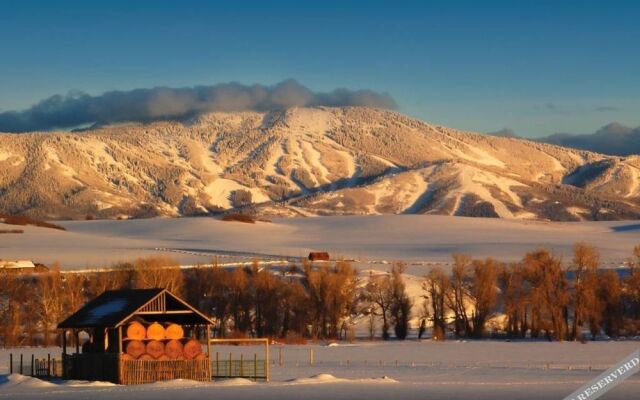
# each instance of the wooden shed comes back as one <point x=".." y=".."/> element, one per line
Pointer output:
<point x="318" y="256"/>
<point x="137" y="336"/>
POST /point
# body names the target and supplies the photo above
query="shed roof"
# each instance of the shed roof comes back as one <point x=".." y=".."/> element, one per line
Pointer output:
<point x="116" y="307"/>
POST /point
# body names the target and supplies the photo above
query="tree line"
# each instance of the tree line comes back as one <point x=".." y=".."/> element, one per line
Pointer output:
<point x="535" y="297"/>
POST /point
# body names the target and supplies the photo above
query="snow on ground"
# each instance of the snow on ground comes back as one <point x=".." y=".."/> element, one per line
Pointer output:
<point x="368" y="370"/>
<point x="220" y="190"/>
<point x="415" y="239"/>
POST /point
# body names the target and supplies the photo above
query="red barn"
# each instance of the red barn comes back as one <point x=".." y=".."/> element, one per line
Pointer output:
<point x="318" y="256"/>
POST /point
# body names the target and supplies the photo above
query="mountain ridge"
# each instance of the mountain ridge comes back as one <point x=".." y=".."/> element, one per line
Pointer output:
<point x="308" y="161"/>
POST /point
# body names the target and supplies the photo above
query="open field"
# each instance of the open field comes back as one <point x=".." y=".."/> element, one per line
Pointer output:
<point x="416" y="239"/>
<point x="425" y="370"/>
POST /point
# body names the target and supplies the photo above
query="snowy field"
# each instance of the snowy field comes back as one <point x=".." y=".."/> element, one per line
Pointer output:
<point x="416" y="239"/>
<point x="424" y="370"/>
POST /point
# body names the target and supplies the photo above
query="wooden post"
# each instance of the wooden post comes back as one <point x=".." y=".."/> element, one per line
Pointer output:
<point x="209" y="348"/>
<point x="280" y="356"/>
<point x="76" y="337"/>
<point x="49" y="365"/>
<point x="229" y="369"/>
<point x="32" y="360"/>
<point x="20" y="363"/>
<point x="266" y="361"/>
<point x="241" y="365"/>
<point x="64" y="354"/>
<point x="217" y="364"/>
<point x="119" y="352"/>
<point x="255" y="366"/>
<point x="10" y="363"/>
<point x="310" y="356"/>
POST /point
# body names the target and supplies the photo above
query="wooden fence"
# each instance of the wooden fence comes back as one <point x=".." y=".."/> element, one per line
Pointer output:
<point x="134" y="372"/>
<point x="241" y="367"/>
<point x="49" y="367"/>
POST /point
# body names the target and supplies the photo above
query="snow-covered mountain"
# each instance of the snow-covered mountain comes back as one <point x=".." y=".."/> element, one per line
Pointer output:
<point x="308" y="161"/>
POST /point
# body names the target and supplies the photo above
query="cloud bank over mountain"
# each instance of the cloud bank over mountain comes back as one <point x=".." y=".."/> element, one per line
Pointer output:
<point x="162" y="103"/>
<point x="613" y="139"/>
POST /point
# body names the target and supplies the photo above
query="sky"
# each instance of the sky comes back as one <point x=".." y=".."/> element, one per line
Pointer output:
<point x="536" y="67"/>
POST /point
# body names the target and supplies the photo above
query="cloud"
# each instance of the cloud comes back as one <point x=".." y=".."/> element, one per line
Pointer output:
<point x="606" y="108"/>
<point x="162" y="103"/>
<point x="571" y="109"/>
<point x="613" y="138"/>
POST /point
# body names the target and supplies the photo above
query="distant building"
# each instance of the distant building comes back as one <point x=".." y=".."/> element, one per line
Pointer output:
<point x="318" y="256"/>
<point x="22" y="266"/>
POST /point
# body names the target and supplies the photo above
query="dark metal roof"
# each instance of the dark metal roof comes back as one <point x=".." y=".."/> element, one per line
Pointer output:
<point x="115" y="307"/>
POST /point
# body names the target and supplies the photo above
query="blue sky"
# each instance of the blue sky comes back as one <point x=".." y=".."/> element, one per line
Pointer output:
<point x="537" y="67"/>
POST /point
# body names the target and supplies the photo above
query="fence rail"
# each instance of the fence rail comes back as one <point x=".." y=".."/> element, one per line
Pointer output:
<point x="251" y="369"/>
<point x="49" y="367"/>
<point x="134" y="372"/>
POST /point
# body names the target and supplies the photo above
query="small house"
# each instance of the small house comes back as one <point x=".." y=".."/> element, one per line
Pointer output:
<point x="318" y="256"/>
<point x="137" y="336"/>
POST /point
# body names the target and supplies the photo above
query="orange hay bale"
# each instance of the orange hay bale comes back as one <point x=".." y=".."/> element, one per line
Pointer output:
<point x="136" y="331"/>
<point x="135" y="348"/>
<point x="163" y="357"/>
<point x="174" y="331"/>
<point x="126" y="357"/>
<point x="155" y="348"/>
<point x="200" y="356"/>
<point x="191" y="349"/>
<point x="155" y="331"/>
<point x="146" y="357"/>
<point x="173" y="349"/>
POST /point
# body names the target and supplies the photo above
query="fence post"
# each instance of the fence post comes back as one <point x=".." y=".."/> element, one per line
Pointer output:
<point x="49" y="365"/>
<point x="10" y="363"/>
<point x="310" y="356"/>
<point x="280" y="356"/>
<point x="20" y="363"/>
<point x="229" y="369"/>
<point x="255" y="366"/>
<point x="32" y="358"/>
<point x="217" y="364"/>
<point x="241" y="365"/>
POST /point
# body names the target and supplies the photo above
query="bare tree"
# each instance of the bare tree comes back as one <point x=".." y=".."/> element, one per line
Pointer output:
<point x="51" y="300"/>
<point x="515" y="299"/>
<point x="458" y="295"/>
<point x="609" y="295"/>
<point x="484" y="293"/>
<point x="379" y="293"/>
<point x="158" y="272"/>
<point x="401" y="303"/>
<point x="436" y="287"/>
<point x="549" y="296"/>
<point x="584" y="299"/>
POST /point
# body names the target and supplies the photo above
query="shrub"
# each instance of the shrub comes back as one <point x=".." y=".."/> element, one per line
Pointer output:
<point x="24" y="220"/>
<point x="239" y="218"/>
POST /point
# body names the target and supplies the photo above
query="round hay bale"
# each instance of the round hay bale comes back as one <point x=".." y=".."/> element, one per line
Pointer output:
<point x="200" y="356"/>
<point x="155" y="331"/>
<point x="163" y="357"/>
<point x="136" y="331"/>
<point x="126" y="357"/>
<point x="146" y="357"/>
<point x="173" y="349"/>
<point x="174" y="331"/>
<point x="155" y="348"/>
<point x="191" y="349"/>
<point x="135" y="348"/>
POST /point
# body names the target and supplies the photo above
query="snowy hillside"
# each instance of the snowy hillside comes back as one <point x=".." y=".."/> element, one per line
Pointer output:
<point x="308" y="161"/>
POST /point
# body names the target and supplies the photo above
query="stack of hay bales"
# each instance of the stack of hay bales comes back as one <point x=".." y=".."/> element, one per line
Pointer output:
<point x="156" y="342"/>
